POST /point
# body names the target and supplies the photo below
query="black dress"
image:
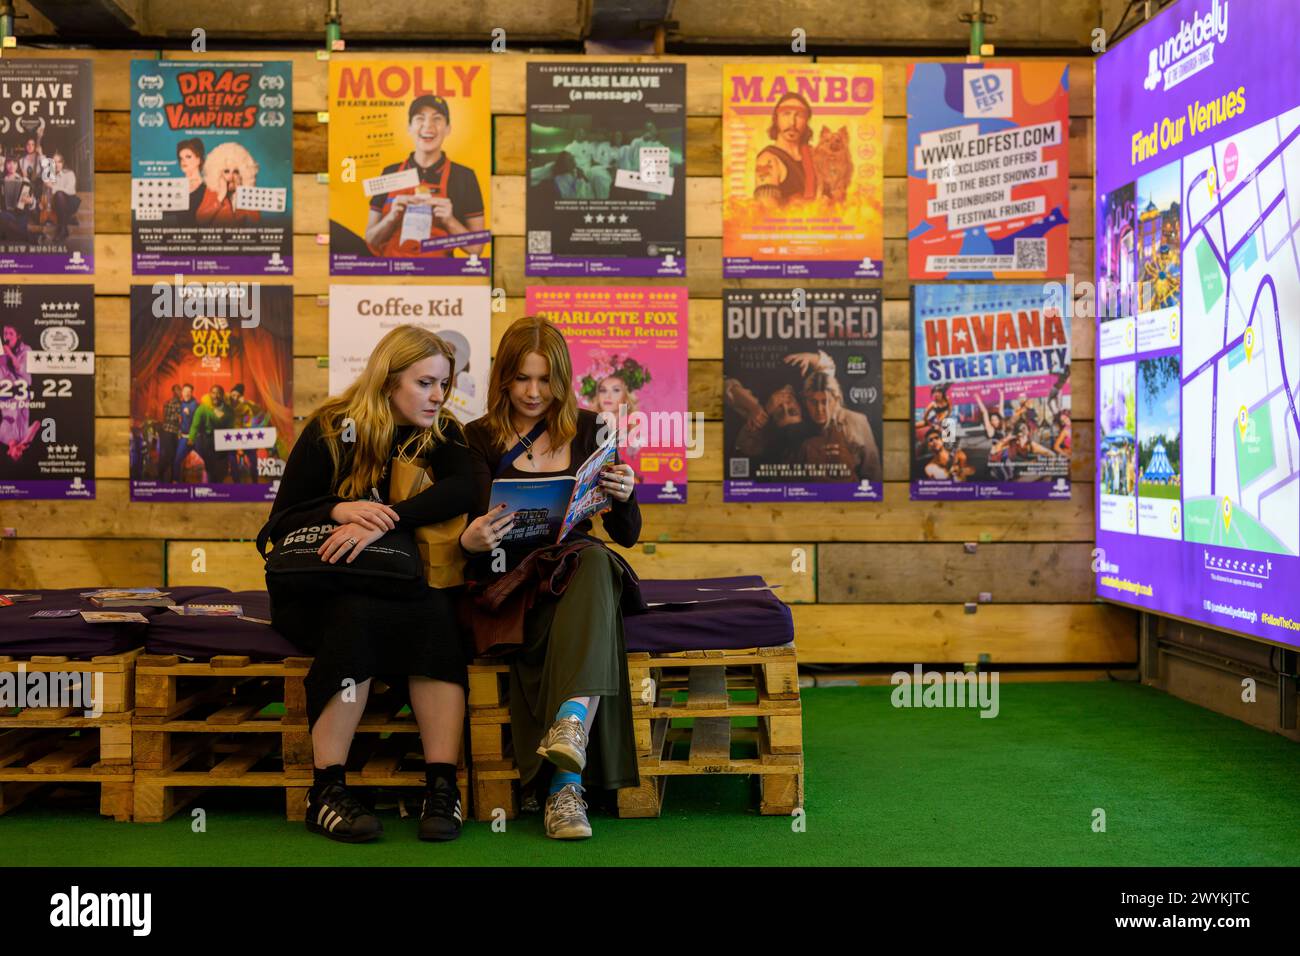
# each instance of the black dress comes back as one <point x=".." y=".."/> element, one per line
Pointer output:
<point x="359" y="636"/>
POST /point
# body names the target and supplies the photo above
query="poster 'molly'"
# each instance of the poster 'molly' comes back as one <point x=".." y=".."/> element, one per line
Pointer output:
<point x="988" y="189"/>
<point x="804" y="177"/>
<point x="47" y="135"/>
<point x="606" y="169"/>
<point x="410" y="146"/>
<point x="628" y="345"/>
<point x="211" y="390"/>
<point x="211" y="167"/>
<point x="361" y="315"/>
<point x="47" y="391"/>
<point x="802" y="396"/>
<point x="991" y="393"/>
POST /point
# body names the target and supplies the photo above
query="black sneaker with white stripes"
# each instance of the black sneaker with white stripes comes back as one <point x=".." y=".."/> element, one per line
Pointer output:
<point x="337" y="813"/>
<point x="440" y="813"/>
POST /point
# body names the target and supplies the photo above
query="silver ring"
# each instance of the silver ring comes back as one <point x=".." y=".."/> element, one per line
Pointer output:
<point x="352" y="542"/>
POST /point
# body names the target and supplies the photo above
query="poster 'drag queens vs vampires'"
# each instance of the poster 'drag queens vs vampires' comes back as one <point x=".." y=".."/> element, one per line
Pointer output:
<point x="211" y="167"/>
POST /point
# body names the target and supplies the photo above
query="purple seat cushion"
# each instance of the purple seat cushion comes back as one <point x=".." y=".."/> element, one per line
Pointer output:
<point x="21" y="635"/>
<point x="202" y="637"/>
<point x="725" y="616"/>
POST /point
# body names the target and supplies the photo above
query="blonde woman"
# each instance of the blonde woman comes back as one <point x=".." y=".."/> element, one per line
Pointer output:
<point x="227" y="167"/>
<point x="338" y="472"/>
<point x="573" y="657"/>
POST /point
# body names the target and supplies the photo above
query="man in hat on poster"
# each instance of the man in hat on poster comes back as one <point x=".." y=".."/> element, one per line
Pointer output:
<point x="445" y="202"/>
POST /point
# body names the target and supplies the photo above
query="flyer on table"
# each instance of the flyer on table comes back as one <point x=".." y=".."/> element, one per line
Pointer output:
<point x="410" y="154"/>
<point x="212" y="167"/>
<point x="211" y="390"/>
<point x="1198" y="326"/>
<point x="990" y="393"/>
<point x="988" y="187"/>
<point x="629" y="351"/>
<point x="804" y="184"/>
<point x="802" y="395"/>
<point x="361" y="315"/>
<point x="47" y="391"/>
<point x="47" y="135"/>
<point x="606" y="169"/>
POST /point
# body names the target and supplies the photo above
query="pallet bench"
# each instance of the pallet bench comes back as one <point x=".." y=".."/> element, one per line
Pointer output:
<point x="233" y="722"/>
<point x="708" y="688"/>
<point x="44" y="746"/>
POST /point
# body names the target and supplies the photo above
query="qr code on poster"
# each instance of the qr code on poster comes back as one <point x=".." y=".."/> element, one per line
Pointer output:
<point x="739" y="468"/>
<point x="1031" y="255"/>
<point x="539" y="241"/>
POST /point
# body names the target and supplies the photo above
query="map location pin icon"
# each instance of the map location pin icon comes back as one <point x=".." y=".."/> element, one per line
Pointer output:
<point x="1243" y="421"/>
<point x="1227" y="514"/>
<point x="1248" y="340"/>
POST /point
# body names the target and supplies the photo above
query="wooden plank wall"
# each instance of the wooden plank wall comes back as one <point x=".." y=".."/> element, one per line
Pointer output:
<point x="869" y="583"/>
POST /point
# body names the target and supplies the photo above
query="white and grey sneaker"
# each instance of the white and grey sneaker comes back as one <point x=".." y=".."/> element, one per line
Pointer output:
<point x="566" y="814"/>
<point x="565" y="744"/>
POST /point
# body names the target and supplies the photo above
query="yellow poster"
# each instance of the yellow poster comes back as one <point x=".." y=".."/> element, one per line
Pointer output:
<point x="410" y="155"/>
<point x="803" y="154"/>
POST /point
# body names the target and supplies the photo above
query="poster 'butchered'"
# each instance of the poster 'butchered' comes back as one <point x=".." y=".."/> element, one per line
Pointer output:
<point x="361" y="315"/>
<point x="410" y="147"/>
<point x="629" y="345"/>
<point x="211" y="390"/>
<point x="47" y="391"/>
<point x="804" y="180"/>
<point x="990" y="393"/>
<point x="212" y="167"/>
<point x="47" y="132"/>
<point x="606" y="169"/>
<point x="802" y="395"/>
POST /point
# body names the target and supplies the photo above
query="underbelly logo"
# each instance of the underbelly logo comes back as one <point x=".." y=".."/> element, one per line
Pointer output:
<point x="1189" y="50"/>
<point x="77" y="909"/>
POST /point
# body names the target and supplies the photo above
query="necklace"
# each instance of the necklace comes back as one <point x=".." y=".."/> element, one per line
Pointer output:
<point x="528" y="446"/>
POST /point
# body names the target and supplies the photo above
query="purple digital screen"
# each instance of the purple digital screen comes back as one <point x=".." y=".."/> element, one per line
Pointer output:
<point x="1198" y="317"/>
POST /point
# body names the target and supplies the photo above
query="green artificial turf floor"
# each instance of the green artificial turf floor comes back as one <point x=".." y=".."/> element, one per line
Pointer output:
<point x="1179" y="785"/>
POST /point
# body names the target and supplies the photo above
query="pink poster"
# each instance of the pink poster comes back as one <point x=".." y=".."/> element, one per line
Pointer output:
<point x="628" y="345"/>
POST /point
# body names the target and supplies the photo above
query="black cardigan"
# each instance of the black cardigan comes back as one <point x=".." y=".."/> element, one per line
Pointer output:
<point x="622" y="522"/>
<point x="308" y="472"/>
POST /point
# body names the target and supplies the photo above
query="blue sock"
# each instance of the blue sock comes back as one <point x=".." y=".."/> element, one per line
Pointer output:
<point x="571" y="708"/>
<point x="562" y="778"/>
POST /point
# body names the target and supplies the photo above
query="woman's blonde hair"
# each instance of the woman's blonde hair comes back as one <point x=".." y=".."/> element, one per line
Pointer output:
<point x="629" y="396"/>
<point x="229" y="154"/>
<point x="363" y="417"/>
<point x="532" y="333"/>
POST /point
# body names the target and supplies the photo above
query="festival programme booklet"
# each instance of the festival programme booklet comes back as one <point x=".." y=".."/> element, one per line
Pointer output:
<point x="208" y="610"/>
<point x="546" y="509"/>
<point x="114" y="617"/>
